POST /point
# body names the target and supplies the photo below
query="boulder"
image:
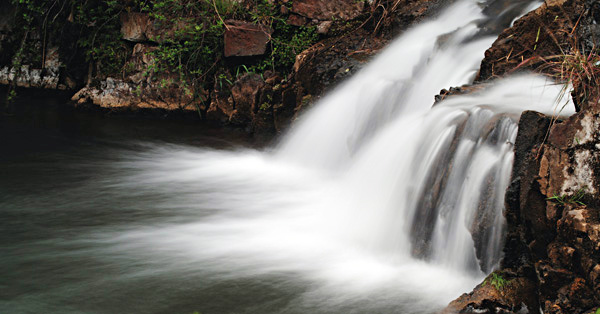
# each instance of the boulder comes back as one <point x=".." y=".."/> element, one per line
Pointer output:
<point x="246" y="39"/>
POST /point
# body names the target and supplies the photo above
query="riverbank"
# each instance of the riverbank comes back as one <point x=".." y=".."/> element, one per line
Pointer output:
<point x="251" y="64"/>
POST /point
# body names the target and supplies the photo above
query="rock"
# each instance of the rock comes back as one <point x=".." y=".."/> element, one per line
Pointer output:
<point x="246" y="39"/>
<point x="139" y="27"/>
<point x="323" y="27"/>
<point x="454" y="91"/>
<point x="29" y="76"/>
<point x="249" y="105"/>
<point x="245" y="93"/>
<point x="221" y="108"/>
<point x="296" y="20"/>
<point x="164" y="31"/>
<point x="519" y="47"/>
<point x="134" y="26"/>
<point x="328" y="9"/>
<point x="324" y="65"/>
<point x="284" y="112"/>
<point x="517" y="296"/>
<point x="284" y="10"/>
<point x="118" y="94"/>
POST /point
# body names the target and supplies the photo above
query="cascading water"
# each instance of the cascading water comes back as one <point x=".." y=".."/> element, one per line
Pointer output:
<point x="376" y="202"/>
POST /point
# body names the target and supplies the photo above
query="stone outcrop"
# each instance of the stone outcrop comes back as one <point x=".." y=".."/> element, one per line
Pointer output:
<point x="30" y="76"/>
<point x="117" y="94"/>
<point x="552" y="203"/>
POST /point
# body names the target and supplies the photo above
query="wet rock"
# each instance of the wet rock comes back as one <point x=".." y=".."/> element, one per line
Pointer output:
<point x="327" y="63"/>
<point x="516" y="296"/>
<point x="454" y="91"/>
<point x="245" y="93"/>
<point x="246" y="39"/>
<point x="285" y="111"/>
<point x="221" y="107"/>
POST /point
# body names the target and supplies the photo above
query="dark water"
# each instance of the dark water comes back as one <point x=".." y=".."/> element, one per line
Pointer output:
<point x="53" y="160"/>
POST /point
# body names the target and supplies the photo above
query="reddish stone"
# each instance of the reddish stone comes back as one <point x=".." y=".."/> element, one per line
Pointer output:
<point x="246" y="39"/>
<point x="296" y="20"/>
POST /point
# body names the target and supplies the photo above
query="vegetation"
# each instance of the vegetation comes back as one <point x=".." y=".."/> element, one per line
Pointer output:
<point x="497" y="281"/>
<point x="580" y="73"/>
<point x="577" y="66"/>
<point x="574" y="199"/>
<point x="186" y="46"/>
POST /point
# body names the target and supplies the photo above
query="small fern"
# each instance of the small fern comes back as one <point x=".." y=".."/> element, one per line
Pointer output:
<point x="497" y="281"/>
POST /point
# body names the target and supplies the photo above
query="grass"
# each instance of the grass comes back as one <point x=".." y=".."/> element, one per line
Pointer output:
<point x="574" y="199"/>
<point x="580" y="70"/>
<point x="577" y="68"/>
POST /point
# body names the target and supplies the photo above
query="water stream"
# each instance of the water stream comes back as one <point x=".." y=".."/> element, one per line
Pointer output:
<point x="375" y="202"/>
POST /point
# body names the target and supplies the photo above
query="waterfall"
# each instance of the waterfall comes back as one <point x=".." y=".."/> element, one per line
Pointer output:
<point x="376" y="201"/>
<point x="373" y="169"/>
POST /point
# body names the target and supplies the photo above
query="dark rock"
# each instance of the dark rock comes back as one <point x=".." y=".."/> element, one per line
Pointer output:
<point x="245" y="92"/>
<point x="221" y="107"/>
<point x="324" y="65"/>
<point x="517" y="296"/>
<point x="246" y="39"/>
<point x="284" y="111"/>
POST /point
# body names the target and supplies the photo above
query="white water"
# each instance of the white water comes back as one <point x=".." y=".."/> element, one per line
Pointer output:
<point x="348" y="204"/>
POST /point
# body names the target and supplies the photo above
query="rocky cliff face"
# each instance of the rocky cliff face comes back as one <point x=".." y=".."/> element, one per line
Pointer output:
<point x="258" y="99"/>
<point x="552" y="250"/>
